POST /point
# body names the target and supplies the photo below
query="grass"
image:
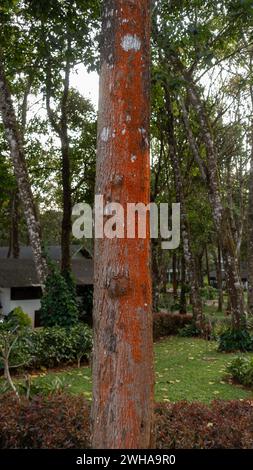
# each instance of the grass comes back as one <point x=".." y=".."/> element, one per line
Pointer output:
<point x="186" y="369"/>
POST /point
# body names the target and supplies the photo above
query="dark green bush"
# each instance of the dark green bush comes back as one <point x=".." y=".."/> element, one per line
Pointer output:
<point x="241" y="370"/>
<point x="208" y="293"/>
<point x="56" y="346"/>
<point x="166" y="324"/>
<point x="59" y="304"/>
<point x="235" y="340"/>
<point x="189" y="331"/>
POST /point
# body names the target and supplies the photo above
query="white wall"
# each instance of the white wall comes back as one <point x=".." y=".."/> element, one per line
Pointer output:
<point x="28" y="306"/>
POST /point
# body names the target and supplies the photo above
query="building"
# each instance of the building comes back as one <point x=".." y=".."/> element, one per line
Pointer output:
<point x="19" y="286"/>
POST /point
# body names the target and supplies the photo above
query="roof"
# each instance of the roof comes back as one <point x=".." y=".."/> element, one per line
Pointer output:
<point x="22" y="273"/>
<point x="53" y="251"/>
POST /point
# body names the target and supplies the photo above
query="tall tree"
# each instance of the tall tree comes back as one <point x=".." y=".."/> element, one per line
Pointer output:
<point x="15" y="142"/>
<point x="123" y="359"/>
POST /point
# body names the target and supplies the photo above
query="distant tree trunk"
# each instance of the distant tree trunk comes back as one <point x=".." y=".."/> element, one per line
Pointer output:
<point x="61" y="129"/>
<point x="174" y="276"/>
<point x="183" y="298"/>
<point x="221" y="216"/>
<point x="207" y="266"/>
<point x="250" y="223"/>
<point x="123" y="381"/>
<point x="15" y="142"/>
<point x="218" y="265"/>
<point x="185" y="229"/>
<point x="14" y="248"/>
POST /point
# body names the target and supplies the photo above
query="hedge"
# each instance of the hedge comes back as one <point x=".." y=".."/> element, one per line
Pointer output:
<point x="62" y="421"/>
<point x="166" y="324"/>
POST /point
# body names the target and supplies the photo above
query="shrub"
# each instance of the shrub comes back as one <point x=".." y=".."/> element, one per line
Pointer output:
<point x="189" y="331"/>
<point x="165" y="324"/>
<point x="235" y="340"/>
<point x="241" y="370"/>
<point x="19" y="318"/>
<point x="56" y="346"/>
<point x="224" y="424"/>
<point x="55" y="422"/>
<point x="59" y="304"/>
<point x="208" y="293"/>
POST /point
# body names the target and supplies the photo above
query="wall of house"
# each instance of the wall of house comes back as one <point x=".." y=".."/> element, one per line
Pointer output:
<point x="28" y="306"/>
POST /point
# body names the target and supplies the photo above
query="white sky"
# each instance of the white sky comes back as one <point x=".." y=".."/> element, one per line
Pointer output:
<point x="86" y="83"/>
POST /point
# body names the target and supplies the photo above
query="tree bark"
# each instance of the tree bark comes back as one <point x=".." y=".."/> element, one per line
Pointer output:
<point x="14" y="248"/>
<point x="185" y="229"/>
<point x="183" y="298"/>
<point x="221" y="216"/>
<point x="250" y="218"/>
<point x="15" y="142"/>
<point x="123" y="380"/>
<point x="174" y="277"/>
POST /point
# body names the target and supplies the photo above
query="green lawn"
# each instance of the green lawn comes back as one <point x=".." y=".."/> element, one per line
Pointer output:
<point x="186" y="369"/>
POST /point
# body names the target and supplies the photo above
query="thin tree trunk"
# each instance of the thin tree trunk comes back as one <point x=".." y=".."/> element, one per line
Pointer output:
<point x="14" y="248"/>
<point x="250" y="220"/>
<point x="207" y="266"/>
<point x="185" y="229"/>
<point x="221" y="216"/>
<point x="183" y="298"/>
<point x="174" y="276"/>
<point x="123" y="379"/>
<point x="14" y="139"/>
<point x="218" y="265"/>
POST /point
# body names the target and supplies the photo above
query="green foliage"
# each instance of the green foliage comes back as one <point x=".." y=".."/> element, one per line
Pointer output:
<point x="241" y="370"/>
<point x="189" y="331"/>
<point x="56" y="346"/>
<point x="208" y="293"/>
<point x="19" y="318"/>
<point x="235" y="340"/>
<point x="166" y="324"/>
<point x="14" y="345"/>
<point x="59" y="304"/>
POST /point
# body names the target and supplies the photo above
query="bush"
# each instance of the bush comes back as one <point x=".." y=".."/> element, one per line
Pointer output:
<point x="19" y="318"/>
<point x="235" y="340"/>
<point x="224" y="424"/>
<point x="56" y="346"/>
<point x="166" y="324"/>
<point x="189" y="331"/>
<point x="208" y="293"/>
<point x="241" y="370"/>
<point x="54" y="422"/>
<point x="59" y="303"/>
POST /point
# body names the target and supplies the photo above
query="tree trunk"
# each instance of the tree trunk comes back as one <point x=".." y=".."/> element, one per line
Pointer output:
<point x="250" y="219"/>
<point x="185" y="229"/>
<point x="14" y="248"/>
<point x="123" y="380"/>
<point x="174" y="276"/>
<point x="218" y="266"/>
<point x="20" y="169"/>
<point x="207" y="266"/>
<point x="221" y="216"/>
<point x="183" y="298"/>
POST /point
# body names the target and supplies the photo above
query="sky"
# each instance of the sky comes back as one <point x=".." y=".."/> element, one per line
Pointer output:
<point x="86" y="83"/>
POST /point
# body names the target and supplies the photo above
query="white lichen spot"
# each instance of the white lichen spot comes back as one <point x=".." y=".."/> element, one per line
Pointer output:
<point x="123" y="131"/>
<point x="125" y="20"/>
<point x="105" y="134"/>
<point x="131" y="43"/>
<point x="128" y="118"/>
<point x="133" y="158"/>
<point x="108" y="24"/>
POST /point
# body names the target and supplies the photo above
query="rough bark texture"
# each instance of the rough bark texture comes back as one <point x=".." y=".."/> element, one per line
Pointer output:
<point x="122" y="359"/>
<point x="14" y="139"/>
<point x="185" y="229"/>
